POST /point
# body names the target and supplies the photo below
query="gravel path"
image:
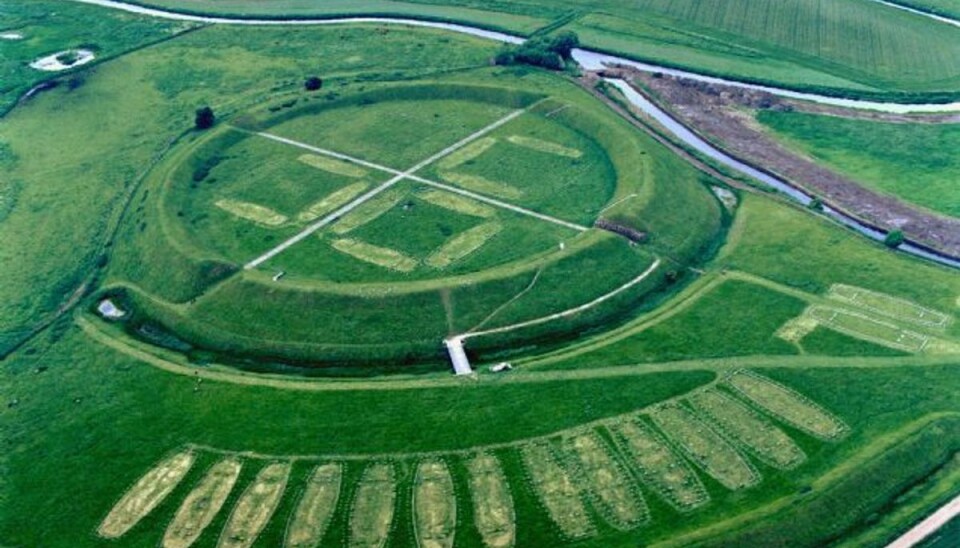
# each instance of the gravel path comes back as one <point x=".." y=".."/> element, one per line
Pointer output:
<point x="928" y="526"/>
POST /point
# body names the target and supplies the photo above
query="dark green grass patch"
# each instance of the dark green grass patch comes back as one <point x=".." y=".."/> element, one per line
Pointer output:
<point x="827" y="342"/>
<point x="734" y="319"/>
<point x="914" y="162"/>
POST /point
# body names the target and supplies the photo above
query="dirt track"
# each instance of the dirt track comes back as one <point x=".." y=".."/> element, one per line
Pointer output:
<point x="718" y="114"/>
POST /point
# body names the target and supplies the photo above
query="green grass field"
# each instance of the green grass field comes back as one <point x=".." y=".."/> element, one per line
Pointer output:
<point x="854" y="47"/>
<point x="914" y="162"/>
<point x="319" y="407"/>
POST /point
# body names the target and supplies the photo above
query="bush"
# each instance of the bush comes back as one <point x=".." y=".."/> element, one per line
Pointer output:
<point x="894" y="239"/>
<point x="313" y="83"/>
<point x="205" y="118"/>
<point x="541" y="51"/>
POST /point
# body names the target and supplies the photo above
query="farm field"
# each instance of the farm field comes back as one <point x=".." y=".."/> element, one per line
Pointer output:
<point x="393" y="294"/>
<point x="799" y="43"/>
<point x="914" y="162"/>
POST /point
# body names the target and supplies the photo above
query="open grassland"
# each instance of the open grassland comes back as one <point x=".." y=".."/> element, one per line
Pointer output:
<point x="886" y="305"/>
<point x="914" y="162"/>
<point x="662" y="470"/>
<point x="948" y="8"/>
<point x="44" y="27"/>
<point x="309" y="522"/>
<point x="851" y="47"/>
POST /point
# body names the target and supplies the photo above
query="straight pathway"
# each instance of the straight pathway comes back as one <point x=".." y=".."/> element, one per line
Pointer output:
<point x="399" y="176"/>
<point x="928" y="526"/>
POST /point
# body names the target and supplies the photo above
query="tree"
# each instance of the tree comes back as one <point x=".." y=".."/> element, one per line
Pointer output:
<point x="313" y="83"/>
<point x="894" y="239"/>
<point x="205" y="118"/>
<point x="564" y="42"/>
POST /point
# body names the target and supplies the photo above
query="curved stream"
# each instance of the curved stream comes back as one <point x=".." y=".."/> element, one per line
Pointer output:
<point x="593" y="60"/>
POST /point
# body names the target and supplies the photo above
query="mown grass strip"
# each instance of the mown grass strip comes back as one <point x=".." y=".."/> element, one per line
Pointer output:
<point x="660" y="467"/>
<point x="255" y="507"/>
<point x="333" y="201"/>
<point x="556" y="490"/>
<point x="310" y="520"/>
<point x="458" y="204"/>
<point x="610" y="488"/>
<point x="705" y="447"/>
<point x="145" y="495"/>
<point x="492" y="502"/>
<point x="463" y="244"/>
<point x="333" y="165"/>
<point x="861" y="326"/>
<point x="787" y="405"/>
<point x="434" y="506"/>
<point x="482" y="185"/>
<point x="748" y="429"/>
<point x="380" y="256"/>
<point x="252" y="212"/>
<point x="887" y="305"/>
<point x="202" y="504"/>
<point x="467" y="153"/>
<point x="368" y="212"/>
<point x="548" y="147"/>
<point x="371" y="516"/>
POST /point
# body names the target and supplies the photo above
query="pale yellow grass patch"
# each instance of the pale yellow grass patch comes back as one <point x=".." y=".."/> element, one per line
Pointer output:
<point x="758" y="435"/>
<point x="202" y="504"/>
<point x="482" y="185"/>
<point x="887" y="305"/>
<point x="706" y="447"/>
<point x="545" y="146"/>
<point x="312" y="517"/>
<point x="380" y="256"/>
<point x="333" y="165"/>
<point x="460" y="204"/>
<point x="252" y="212"/>
<point x="368" y="212"/>
<point x="331" y="202"/>
<point x="146" y="494"/>
<point x="862" y="326"/>
<point x="434" y="506"/>
<point x="661" y="468"/>
<point x="611" y="489"/>
<point x="255" y="507"/>
<point x="372" y="514"/>
<point x="467" y="153"/>
<point x="557" y="492"/>
<point x="492" y="502"/>
<point x="789" y="406"/>
<point x="463" y="244"/>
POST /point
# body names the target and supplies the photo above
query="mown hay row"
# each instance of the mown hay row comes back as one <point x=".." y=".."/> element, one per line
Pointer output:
<point x="333" y="201"/>
<point x="255" y="507"/>
<point x="145" y="495"/>
<point x="368" y="212"/>
<point x="467" y="153"/>
<point x="458" y="204"/>
<point x="705" y="447"/>
<point x="371" y="516"/>
<point x="556" y="490"/>
<point x="252" y="212"/>
<point x="660" y="467"/>
<point x="202" y="504"/>
<point x="787" y="405"/>
<point x="333" y="165"/>
<point x="612" y="491"/>
<point x="548" y="147"/>
<point x="748" y="429"/>
<point x="482" y="185"/>
<point x="463" y="245"/>
<point x="380" y="256"/>
<point x="434" y="506"/>
<point x="890" y="306"/>
<point x="310" y="520"/>
<point x="493" y="512"/>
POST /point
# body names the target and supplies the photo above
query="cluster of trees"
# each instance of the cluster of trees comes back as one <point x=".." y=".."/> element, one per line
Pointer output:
<point x="551" y="52"/>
